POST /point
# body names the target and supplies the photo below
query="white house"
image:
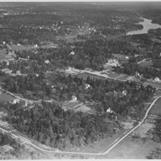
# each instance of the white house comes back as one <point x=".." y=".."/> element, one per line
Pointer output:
<point x="87" y="86"/>
<point x="138" y="75"/>
<point x="52" y="86"/>
<point x="109" y="110"/>
<point x="26" y="103"/>
<point x="157" y="79"/>
<point x="124" y="92"/>
<point x="113" y="62"/>
<point x="47" y="61"/>
<point x="18" y="72"/>
<point x="37" y="75"/>
<point x="15" y="101"/>
<point x="7" y="62"/>
<point x="74" y="99"/>
<point x="36" y="46"/>
<point x="126" y="57"/>
<point x="18" y="44"/>
<point x="72" y="53"/>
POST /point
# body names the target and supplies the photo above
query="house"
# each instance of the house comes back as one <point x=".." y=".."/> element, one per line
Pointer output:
<point x="18" y="44"/>
<point x="74" y="99"/>
<point x="18" y="72"/>
<point x="124" y="92"/>
<point x="157" y="79"/>
<point x="26" y="103"/>
<point x="138" y="75"/>
<point x="121" y="58"/>
<point x="37" y="75"/>
<point x="52" y="86"/>
<point x="72" y="53"/>
<point x="109" y="110"/>
<point x="7" y="62"/>
<point x="36" y="46"/>
<point x="113" y="62"/>
<point x="87" y="86"/>
<point x="15" y="101"/>
<point x="126" y="57"/>
<point x="47" y="61"/>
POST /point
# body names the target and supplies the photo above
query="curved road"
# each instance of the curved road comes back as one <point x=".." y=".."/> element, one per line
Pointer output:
<point x="46" y="149"/>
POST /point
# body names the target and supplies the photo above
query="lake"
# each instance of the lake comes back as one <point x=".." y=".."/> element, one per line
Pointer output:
<point x="147" y="25"/>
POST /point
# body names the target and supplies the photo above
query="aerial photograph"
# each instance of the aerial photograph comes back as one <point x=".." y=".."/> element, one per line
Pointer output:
<point x="80" y="80"/>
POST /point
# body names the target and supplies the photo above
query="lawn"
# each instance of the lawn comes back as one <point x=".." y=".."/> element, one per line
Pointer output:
<point x="113" y="74"/>
<point x="21" y="47"/>
<point x="146" y="64"/>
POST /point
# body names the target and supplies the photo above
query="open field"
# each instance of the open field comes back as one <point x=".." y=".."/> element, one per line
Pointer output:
<point x="157" y="108"/>
<point x="15" y="47"/>
<point x="5" y="98"/>
<point x="138" y="147"/>
<point x="145" y="63"/>
<point x="113" y="74"/>
<point x="100" y="145"/>
<point x="133" y="149"/>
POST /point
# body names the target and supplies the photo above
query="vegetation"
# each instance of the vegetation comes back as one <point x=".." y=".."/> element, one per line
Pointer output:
<point x="133" y="68"/>
<point x="155" y="154"/>
<point x="50" y="125"/>
<point x="79" y="36"/>
<point x="157" y="131"/>
<point x="10" y="149"/>
<point x="106" y="93"/>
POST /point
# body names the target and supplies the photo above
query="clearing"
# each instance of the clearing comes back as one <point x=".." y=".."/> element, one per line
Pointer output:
<point x="156" y="110"/>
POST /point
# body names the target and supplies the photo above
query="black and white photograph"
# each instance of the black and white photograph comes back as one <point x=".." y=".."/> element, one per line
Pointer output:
<point x="80" y="80"/>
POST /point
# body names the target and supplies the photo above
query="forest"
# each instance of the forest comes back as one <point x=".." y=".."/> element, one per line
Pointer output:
<point x="52" y="126"/>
